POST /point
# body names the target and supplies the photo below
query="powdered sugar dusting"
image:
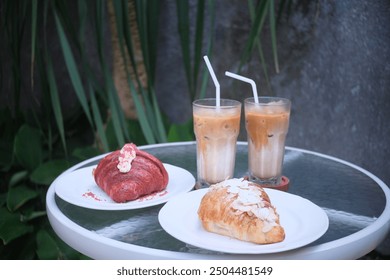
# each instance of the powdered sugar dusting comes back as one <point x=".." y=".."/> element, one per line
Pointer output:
<point x="248" y="198"/>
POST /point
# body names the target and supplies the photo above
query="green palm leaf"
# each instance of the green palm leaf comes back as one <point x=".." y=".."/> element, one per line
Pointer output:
<point x="72" y="68"/>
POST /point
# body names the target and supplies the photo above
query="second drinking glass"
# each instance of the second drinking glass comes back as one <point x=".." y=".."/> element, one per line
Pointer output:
<point x="267" y="123"/>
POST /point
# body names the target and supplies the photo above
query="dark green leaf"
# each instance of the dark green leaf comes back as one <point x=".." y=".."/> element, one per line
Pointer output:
<point x="86" y="152"/>
<point x="24" y="248"/>
<point x="123" y="32"/>
<point x="198" y="43"/>
<point x="110" y="136"/>
<point x="137" y="136"/>
<point x="183" y="22"/>
<point x="17" y="196"/>
<point x="153" y="8"/>
<point x="54" y="247"/>
<point x="260" y="15"/>
<point x="272" y="22"/>
<point x="160" y="131"/>
<point x="32" y="215"/>
<point x="98" y="121"/>
<point x="142" y="13"/>
<point x="17" y="177"/>
<point x="206" y="74"/>
<point x="181" y="132"/>
<point x="47" y="248"/>
<point x="33" y="36"/>
<point x="5" y="156"/>
<point x="28" y="147"/>
<point x="48" y="171"/>
<point x="11" y="227"/>
<point x="146" y="128"/>
<point x="148" y="113"/>
<point x="259" y="46"/>
<point x="3" y="199"/>
<point x="116" y="111"/>
<point x="55" y="102"/>
<point x="72" y="68"/>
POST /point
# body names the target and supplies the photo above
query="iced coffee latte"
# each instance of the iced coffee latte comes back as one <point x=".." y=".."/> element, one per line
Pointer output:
<point x="216" y="131"/>
<point x="267" y="124"/>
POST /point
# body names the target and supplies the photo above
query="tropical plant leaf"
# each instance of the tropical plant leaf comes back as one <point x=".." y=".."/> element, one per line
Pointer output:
<point x="258" y="43"/>
<point x="206" y="74"/>
<point x="183" y="22"/>
<point x="273" y="34"/>
<point x="46" y="172"/>
<point x="34" y="4"/>
<point x="147" y="19"/>
<point x="18" y="196"/>
<point x="181" y="132"/>
<point x="153" y="8"/>
<point x="145" y="126"/>
<point x="47" y="248"/>
<point x="26" y="217"/>
<point x="141" y="7"/>
<point x="50" y="247"/>
<point x="11" y="227"/>
<point x="148" y="112"/>
<point x="72" y="68"/>
<point x="55" y="102"/>
<point x="260" y="15"/>
<point x="83" y="153"/>
<point x="28" y="147"/>
<point x="134" y="127"/>
<point x="98" y="120"/>
<point x="17" y="177"/>
<point x="115" y="111"/>
<point x="125" y="43"/>
<point x="162" y="135"/>
<point x="198" y="43"/>
<point x="3" y="199"/>
<point x="6" y="154"/>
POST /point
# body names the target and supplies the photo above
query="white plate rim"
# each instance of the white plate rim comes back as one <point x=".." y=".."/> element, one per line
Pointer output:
<point x="215" y="242"/>
<point x="180" y="181"/>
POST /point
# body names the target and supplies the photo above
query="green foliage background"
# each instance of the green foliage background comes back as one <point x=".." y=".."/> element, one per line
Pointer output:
<point x="37" y="145"/>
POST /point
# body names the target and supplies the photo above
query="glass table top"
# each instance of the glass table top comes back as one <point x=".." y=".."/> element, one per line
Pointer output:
<point x="351" y="199"/>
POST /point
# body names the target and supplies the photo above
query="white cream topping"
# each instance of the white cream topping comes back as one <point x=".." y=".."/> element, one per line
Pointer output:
<point x="126" y="155"/>
<point x="248" y="198"/>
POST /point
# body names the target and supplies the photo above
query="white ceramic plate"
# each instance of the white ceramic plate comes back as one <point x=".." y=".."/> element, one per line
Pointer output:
<point x="79" y="188"/>
<point x="303" y="222"/>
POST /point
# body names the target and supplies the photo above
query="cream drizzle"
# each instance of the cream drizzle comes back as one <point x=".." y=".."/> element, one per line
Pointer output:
<point x="126" y="155"/>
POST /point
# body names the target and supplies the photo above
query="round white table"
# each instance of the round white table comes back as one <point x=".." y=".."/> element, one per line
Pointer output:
<point x="357" y="204"/>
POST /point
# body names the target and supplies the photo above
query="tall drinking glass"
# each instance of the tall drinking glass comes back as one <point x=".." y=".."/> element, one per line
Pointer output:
<point x="267" y="125"/>
<point x="216" y="130"/>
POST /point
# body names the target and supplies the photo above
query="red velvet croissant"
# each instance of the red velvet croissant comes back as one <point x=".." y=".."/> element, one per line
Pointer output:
<point x="130" y="173"/>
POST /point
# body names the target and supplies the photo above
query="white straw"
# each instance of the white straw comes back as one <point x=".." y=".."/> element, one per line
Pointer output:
<point x="247" y="80"/>
<point x="217" y="86"/>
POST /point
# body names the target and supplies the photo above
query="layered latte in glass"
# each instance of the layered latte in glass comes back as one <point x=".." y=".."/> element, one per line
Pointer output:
<point x="266" y="123"/>
<point x="216" y="130"/>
